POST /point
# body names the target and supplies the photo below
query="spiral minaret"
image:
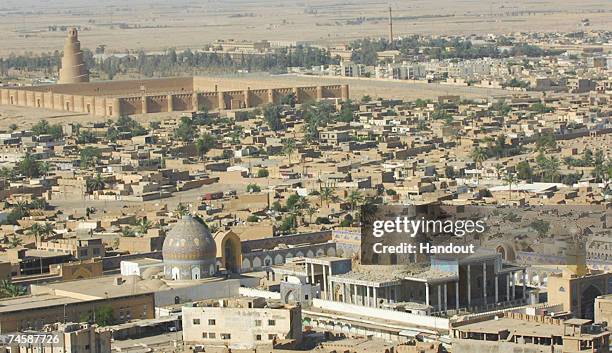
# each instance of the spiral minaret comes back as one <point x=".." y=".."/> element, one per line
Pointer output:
<point x="73" y="68"/>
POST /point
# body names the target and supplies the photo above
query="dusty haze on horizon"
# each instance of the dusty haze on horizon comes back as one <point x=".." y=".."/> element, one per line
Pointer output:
<point x="157" y="25"/>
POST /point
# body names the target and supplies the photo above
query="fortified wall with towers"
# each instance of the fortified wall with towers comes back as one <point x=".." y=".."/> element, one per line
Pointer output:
<point x="117" y="98"/>
<point x="74" y="92"/>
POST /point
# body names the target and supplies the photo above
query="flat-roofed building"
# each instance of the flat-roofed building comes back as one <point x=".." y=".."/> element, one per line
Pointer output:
<point x="242" y="323"/>
<point x="512" y="332"/>
<point x="67" y="338"/>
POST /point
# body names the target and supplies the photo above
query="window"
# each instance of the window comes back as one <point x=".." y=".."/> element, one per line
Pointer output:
<point x="271" y="322"/>
<point x="258" y="338"/>
<point x="204" y="335"/>
<point x="212" y="335"/>
<point x="306" y="297"/>
<point x="257" y="322"/>
<point x="212" y="322"/>
<point x="96" y="251"/>
<point x="196" y="321"/>
<point x="226" y="336"/>
<point x="271" y="336"/>
<point x="83" y="252"/>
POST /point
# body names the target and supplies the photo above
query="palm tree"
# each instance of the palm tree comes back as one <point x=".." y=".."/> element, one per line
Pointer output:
<point x="47" y="230"/>
<point x="326" y="194"/>
<point x="310" y="211"/>
<point x="552" y="168"/>
<point x="127" y="232"/>
<point x="41" y="230"/>
<point x="143" y="225"/>
<point x="29" y="166"/>
<point x="181" y="210"/>
<point x="44" y="168"/>
<point x="7" y="173"/>
<point x="38" y="204"/>
<point x="354" y="198"/>
<point x="479" y="155"/>
<point x="498" y="169"/>
<point x="600" y="170"/>
<point x="289" y="148"/>
<point x="510" y="179"/>
<point x="89" y="211"/>
<point x="15" y="242"/>
<point x="95" y="184"/>
<point x="541" y="163"/>
<point x="36" y="230"/>
<point x="8" y="289"/>
<point x="204" y="144"/>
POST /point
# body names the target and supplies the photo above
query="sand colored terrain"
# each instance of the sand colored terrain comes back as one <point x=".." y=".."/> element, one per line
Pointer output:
<point x="157" y="25"/>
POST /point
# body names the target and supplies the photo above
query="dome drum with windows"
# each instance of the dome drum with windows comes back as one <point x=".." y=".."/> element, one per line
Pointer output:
<point x="189" y="251"/>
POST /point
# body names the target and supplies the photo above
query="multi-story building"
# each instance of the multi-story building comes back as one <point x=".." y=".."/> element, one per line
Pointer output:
<point x="242" y="322"/>
<point x="528" y="333"/>
<point x="66" y="338"/>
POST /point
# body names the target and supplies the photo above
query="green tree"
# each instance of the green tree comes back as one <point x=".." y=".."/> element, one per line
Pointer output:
<point x="44" y="168"/>
<point x="143" y="225"/>
<point x="95" y="183"/>
<point x="327" y="194"/>
<point x="29" y="166"/>
<point x="8" y="289"/>
<point x="354" y="198"/>
<point x="253" y="188"/>
<point x="272" y="117"/>
<point x="263" y="173"/>
<point x="7" y="173"/>
<point x="128" y="124"/>
<point x="552" y="168"/>
<point x="181" y="210"/>
<point x="103" y="316"/>
<point x="540" y="108"/>
<point x="86" y="136"/>
<point x="89" y="157"/>
<point x="289" y="147"/>
<point x="546" y="142"/>
<point x="44" y="128"/>
<point x="310" y="211"/>
<point x="289" y="99"/>
<point x="347" y="111"/>
<point x="127" y="232"/>
<point x="599" y="163"/>
<point x="288" y="223"/>
<point x="185" y="130"/>
<point x="292" y="200"/>
<point x="204" y="144"/>
<point x="540" y="226"/>
<point x="479" y="155"/>
<point x="510" y="179"/>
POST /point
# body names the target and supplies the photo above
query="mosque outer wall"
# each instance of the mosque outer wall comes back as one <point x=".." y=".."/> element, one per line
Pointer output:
<point x="155" y="96"/>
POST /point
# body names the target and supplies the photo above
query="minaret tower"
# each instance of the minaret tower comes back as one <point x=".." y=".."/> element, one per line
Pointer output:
<point x="73" y="68"/>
